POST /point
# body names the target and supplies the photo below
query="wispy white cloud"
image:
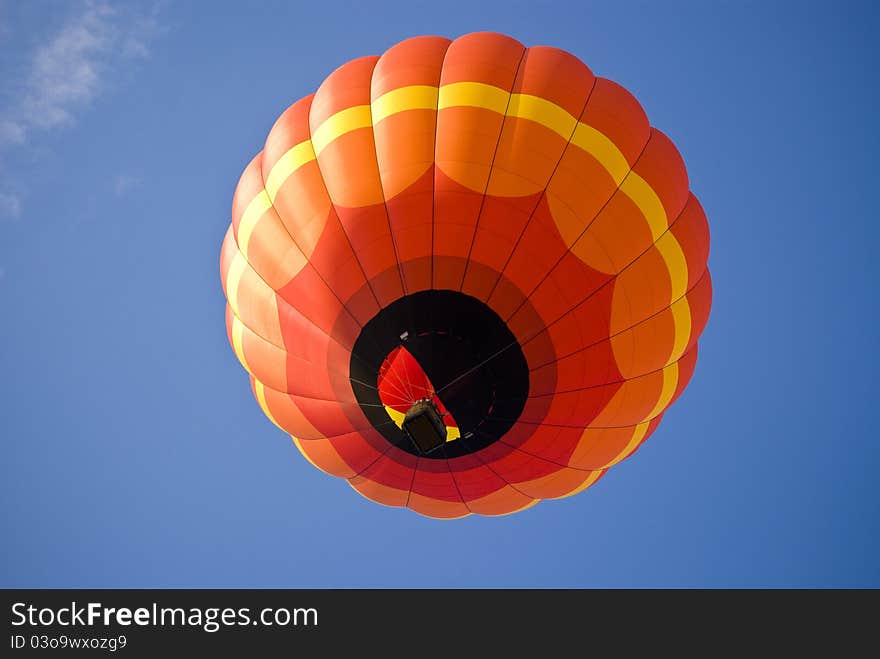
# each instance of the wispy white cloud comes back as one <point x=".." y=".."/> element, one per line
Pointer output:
<point x="11" y="131"/>
<point x="70" y="69"/>
<point x="10" y="205"/>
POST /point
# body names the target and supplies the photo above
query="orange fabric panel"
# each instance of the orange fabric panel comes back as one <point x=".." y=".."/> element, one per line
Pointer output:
<point x="466" y="142"/>
<point x="351" y="175"/>
<point x="414" y="61"/>
<point x="485" y="57"/>
<point x="662" y="167"/>
<point x="600" y="447"/>
<point x="291" y="128"/>
<point x="615" y="112"/>
<point x="250" y="183"/>
<point x="387" y="481"/>
<point x="347" y="86"/>
<point x="641" y="290"/>
<point x="691" y="230"/>
<point x="560" y="484"/>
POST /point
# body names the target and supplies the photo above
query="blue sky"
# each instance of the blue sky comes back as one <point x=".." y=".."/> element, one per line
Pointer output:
<point x="133" y="452"/>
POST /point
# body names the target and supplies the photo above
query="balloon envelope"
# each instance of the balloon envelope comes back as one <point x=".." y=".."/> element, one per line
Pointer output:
<point x="483" y="227"/>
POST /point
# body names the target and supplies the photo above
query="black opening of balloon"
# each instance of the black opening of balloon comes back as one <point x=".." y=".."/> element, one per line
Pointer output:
<point x="471" y="357"/>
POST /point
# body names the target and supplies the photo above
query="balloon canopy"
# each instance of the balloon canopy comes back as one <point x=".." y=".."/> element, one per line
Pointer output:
<point x="466" y="275"/>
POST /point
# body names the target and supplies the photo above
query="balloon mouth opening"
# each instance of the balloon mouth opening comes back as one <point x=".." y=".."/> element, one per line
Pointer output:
<point x="439" y="374"/>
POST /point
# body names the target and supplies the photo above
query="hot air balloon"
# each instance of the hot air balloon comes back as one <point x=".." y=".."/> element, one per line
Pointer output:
<point x="466" y="275"/>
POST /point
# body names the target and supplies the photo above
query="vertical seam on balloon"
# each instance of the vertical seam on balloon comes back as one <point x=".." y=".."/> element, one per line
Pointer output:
<point x="374" y="461"/>
<point x="582" y="233"/>
<point x="467" y="260"/>
<point x="235" y="306"/>
<point x="555" y="265"/>
<point x="434" y="160"/>
<point x="355" y="429"/>
<point x="637" y="437"/>
<point x="284" y="350"/>
<point x="488" y="466"/>
<point x="609" y="281"/>
<point x="264" y="178"/>
<point x="543" y="192"/>
<point x="287" y="302"/>
<point x="250" y="267"/>
<point x="613" y="278"/>
<point x="455" y="482"/>
<point x="258" y="337"/>
<point x="653" y="371"/>
<point x="358" y="473"/>
<point x="412" y="482"/>
<point x="588" y="427"/>
<point x="382" y="188"/>
<point x="540" y="457"/>
<point x="257" y="273"/>
<point x="336" y="216"/>
<point x="611" y="336"/>
<point x="340" y="434"/>
<point x="588" y="482"/>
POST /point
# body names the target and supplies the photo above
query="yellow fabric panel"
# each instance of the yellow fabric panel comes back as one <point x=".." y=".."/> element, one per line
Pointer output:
<point x="592" y="478"/>
<point x="599" y="146"/>
<point x="297" y="156"/>
<point x="238" y="342"/>
<point x="261" y="358"/>
<point x="414" y="97"/>
<point x="681" y="316"/>
<point x="260" y="307"/>
<point x="489" y="97"/>
<point x="305" y="455"/>
<point x="233" y="279"/>
<point x="643" y="195"/>
<point x="558" y="484"/>
<point x="638" y="434"/>
<point x="673" y="255"/>
<point x="260" y="390"/>
<point x="542" y="111"/>
<point x="396" y="416"/>
<point x="339" y="124"/>
<point x="670" y="382"/>
<point x="266" y="245"/>
<point x="252" y="214"/>
<point x="473" y="94"/>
